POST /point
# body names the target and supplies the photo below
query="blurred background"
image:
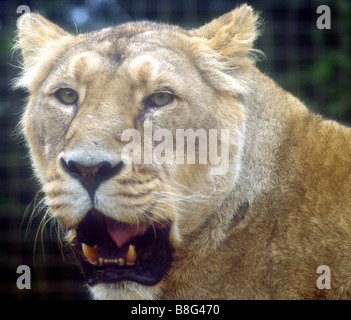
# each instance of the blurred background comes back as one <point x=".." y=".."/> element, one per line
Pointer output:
<point x="312" y="64"/>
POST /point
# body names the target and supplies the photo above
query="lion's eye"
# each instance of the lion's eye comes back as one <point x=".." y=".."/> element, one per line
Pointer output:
<point x="160" y="99"/>
<point x="66" y="96"/>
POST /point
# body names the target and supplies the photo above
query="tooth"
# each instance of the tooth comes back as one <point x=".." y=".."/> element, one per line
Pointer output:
<point x="101" y="260"/>
<point x="121" y="261"/>
<point x="90" y="252"/>
<point x="131" y="254"/>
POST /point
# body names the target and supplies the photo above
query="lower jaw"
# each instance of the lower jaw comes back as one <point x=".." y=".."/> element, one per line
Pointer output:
<point x="112" y="274"/>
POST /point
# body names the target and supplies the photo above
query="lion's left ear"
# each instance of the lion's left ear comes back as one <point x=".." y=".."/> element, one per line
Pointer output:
<point x="222" y="49"/>
<point x="232" y="34"/>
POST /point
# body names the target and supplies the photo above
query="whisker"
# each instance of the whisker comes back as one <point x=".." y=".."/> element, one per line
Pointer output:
<point x="39" y="230"/>
<point x="34" y="205"/>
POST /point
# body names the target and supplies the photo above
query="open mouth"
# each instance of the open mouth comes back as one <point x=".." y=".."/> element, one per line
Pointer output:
<point x="113" y="251"/>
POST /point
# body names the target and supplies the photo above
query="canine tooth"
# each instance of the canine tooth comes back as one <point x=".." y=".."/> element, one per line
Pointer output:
<point x="131" y="254"/>
<point x="90" y="252"/>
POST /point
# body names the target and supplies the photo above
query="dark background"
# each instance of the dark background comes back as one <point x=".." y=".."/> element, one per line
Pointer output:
<point x="313" y="64"/>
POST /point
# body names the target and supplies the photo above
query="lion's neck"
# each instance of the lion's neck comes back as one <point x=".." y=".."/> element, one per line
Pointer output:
<point x="270" y="111"/>
<point x="265" y="129"/>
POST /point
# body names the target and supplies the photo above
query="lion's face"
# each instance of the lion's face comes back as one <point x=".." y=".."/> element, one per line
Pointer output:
<point x="137" y="83"/>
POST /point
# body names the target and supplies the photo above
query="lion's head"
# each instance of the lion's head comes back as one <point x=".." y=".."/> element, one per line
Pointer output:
<point x="104" y="124"/>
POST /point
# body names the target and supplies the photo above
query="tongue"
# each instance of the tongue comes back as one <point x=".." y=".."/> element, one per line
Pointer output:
<point x="121" y="232"/>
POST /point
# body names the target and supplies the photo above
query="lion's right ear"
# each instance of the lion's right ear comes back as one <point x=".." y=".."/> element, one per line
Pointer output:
<point x="38" y="40"/>
<point x="35" y="34"/>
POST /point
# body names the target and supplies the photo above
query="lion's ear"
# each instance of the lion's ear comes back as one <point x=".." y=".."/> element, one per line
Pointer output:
<point x="222" y="49"/>
<point x="39" y="41"/>
<point x="35" y="33"/>
<point x="232" y="34"/>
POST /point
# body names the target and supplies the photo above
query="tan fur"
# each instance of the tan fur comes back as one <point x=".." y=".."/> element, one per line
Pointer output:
<point x="258" y="232"/>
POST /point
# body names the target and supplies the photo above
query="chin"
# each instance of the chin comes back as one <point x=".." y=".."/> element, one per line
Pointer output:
<point x="126" y="290"/>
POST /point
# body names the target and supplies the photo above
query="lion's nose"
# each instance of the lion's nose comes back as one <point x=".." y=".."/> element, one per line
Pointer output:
<point x="91" y="176"/>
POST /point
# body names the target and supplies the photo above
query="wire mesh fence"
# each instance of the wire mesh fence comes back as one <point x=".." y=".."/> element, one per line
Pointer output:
<point x="313" y="64"/>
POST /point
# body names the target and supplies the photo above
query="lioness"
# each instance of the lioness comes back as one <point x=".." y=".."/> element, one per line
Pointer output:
<point x="260" y="229"/>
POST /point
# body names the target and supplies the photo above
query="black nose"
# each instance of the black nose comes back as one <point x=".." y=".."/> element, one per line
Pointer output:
<point x="90" y="177"/>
